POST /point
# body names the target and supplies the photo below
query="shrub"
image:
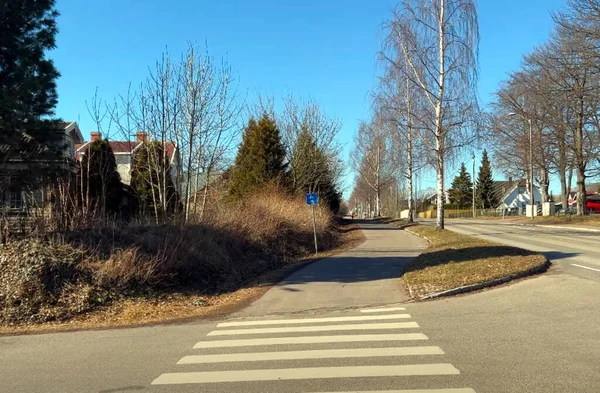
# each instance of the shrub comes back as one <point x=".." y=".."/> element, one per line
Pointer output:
<point x="40" y="281"/>
<point x="53" y="280"/>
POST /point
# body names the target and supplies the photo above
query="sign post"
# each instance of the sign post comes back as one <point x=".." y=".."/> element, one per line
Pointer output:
<point x="312" y="200"/>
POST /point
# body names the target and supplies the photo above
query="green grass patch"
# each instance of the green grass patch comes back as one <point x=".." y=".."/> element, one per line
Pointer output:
<point x="454" y="260"/>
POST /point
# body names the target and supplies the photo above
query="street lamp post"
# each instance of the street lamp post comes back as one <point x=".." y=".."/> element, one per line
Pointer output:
<point x="531" y="194"/>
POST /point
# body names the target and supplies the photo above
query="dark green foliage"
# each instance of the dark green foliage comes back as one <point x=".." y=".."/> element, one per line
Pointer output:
<point x="152" y="183"/>
<point x="28" y="88"/>
<point x="100" y="182"/>
<point x="486" y="196"/>
<point x="260" y="159"/>
<point x="310" y="171"/>
<point x="461" y="194"/>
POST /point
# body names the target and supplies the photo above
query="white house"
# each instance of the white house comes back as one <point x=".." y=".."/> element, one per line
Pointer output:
<point x="515" y="195"/>
<point x="432" y="198"/>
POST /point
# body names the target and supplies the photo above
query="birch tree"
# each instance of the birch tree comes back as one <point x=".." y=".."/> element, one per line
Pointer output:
<point x="439" y="40"/>
<point x="370" y="160"/>
<point x="399" y="102"/>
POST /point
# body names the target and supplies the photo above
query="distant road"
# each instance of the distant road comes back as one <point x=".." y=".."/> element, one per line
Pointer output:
<point x="573" y="251"/>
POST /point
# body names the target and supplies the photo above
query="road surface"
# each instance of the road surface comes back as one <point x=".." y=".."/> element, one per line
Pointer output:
<point x="340" y="325"/>
<point x="573" y="251"/>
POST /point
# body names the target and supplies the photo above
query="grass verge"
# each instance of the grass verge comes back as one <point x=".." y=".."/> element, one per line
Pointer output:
<point x="181" y="304"/>
<point x="583" y="221"/>
<point x="572" y="220"/>
<point x="454" y="261"/>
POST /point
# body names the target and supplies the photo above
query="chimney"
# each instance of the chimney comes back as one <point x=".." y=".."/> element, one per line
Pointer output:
<point x="95" y="136"/>
<point x="141" y="136"/>
<point x="510" y="179"/>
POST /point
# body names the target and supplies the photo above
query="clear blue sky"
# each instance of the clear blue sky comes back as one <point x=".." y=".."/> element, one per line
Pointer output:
<point x="324" y="49"/>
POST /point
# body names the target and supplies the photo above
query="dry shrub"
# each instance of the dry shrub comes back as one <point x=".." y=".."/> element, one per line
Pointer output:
<point x="125" y="268"/>
<point x="42" y="281"/>
<point x="236" y="243"/>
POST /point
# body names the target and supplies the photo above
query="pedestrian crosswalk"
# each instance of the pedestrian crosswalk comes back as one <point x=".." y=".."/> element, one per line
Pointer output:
<point x="372" y="344"/>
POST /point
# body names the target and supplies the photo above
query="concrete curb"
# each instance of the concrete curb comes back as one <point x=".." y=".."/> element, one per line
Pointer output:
<point x="477" y="287"/>
<point x="416" y="234"/>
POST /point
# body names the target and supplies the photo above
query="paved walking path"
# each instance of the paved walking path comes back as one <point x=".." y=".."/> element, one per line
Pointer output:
<point x="365" y="276"/>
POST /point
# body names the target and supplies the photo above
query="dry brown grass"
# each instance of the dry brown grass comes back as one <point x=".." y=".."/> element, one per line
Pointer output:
<point x="455" y="260"/>
<point x="165" y="307"/>
<point x="583" y="221"/>
<point x="139" y="274"/>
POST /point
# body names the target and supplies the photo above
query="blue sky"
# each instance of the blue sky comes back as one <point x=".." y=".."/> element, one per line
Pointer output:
<point x="324" y="50"/>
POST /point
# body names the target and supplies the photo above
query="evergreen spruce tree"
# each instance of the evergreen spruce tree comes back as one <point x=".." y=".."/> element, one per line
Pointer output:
<point x="260" y="158"/>
<point x="486" y="196"/>
<point x="148" y="174"/>
<point x="310" y="171"/>
<point x="461" y="194"/>
<point x="100" y="182"/>
<point x="28" y="89"/>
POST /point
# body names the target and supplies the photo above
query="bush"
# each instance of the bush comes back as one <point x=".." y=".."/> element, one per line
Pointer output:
<point x="47" y="280"/>
<point x="41" y="282"/>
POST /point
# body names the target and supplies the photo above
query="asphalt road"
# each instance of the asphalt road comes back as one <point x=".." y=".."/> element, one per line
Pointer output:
<point x="573" y="251"/>
<point x="334" y="329"/>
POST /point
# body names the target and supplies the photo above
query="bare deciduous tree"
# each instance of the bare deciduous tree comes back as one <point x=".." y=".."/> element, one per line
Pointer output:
<point x="371" y="159"/>
<point x="439" y="40"/>
<point x="194" y="104"/>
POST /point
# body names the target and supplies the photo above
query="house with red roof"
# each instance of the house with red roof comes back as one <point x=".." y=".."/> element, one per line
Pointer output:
<point x="125" y="154"/>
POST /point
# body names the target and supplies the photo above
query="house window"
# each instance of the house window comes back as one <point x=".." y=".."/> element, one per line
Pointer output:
<point x="13" y="200"/>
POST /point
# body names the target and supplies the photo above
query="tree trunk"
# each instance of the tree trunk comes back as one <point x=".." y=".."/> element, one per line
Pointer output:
<point x="545" y="184"/>
<point x="440" y="190"/>
<point x="409" y="182"/>
<point x="580" y="163"/>
<point x="205" y="196"/>
<point x="409" y="155"/>
<point x="562" y="171"/>
<point x="439" y="131"/>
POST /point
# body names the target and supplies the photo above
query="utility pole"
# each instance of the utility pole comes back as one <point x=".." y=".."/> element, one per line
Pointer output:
<point x="474" y="185"/>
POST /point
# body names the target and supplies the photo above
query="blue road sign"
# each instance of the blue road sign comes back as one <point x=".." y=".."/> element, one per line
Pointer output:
<point x="312" y="199"/>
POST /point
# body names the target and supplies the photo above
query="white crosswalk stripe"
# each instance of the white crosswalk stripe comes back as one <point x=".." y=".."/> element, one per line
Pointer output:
<point x="306" y="373"/>
<point x="310" y="340"/>
<point x="307" y="343"/>
<point x="326" y="328"/>
<point x="313" y="354"/>
<point x="315" y="320"/>
<point x="374" y="310"/>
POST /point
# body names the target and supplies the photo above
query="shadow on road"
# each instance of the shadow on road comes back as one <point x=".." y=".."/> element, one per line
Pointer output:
<point x="350" y="269"/>
<point x="370" y="264"/>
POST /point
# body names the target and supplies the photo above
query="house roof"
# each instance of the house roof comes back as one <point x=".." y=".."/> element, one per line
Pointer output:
<point x="503" y="188"/>
<point x="64" y="124"/>
<point x="68" y="127"/>
<point x="123" y="146"/>
<point x="130" y="146"/>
